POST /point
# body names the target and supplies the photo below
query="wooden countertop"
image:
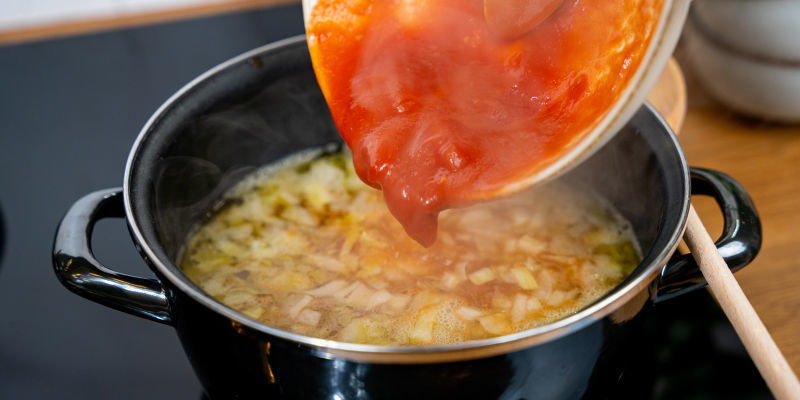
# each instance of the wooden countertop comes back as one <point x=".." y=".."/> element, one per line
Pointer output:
<point x="763" y="157"/>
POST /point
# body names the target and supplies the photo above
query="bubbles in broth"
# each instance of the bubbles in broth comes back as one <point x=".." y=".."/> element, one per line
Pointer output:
<point x="307" y="247"/>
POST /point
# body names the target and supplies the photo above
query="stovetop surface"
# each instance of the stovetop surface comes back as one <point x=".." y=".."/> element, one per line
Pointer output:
<point x="69" y="112"/>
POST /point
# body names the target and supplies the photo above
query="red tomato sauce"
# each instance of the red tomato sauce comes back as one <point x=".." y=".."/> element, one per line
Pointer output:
<point x="438" y="111"/>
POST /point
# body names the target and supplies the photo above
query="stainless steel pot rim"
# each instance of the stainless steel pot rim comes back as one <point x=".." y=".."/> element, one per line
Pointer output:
<point x="396" y="354"/>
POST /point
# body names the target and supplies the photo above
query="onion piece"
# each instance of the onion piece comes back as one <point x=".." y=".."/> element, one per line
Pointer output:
<point x="450" y="280"/>
<point x="398" y="303"/>
<point x="556" y="298"/>
<point x="326" y="262"/>
<point x="356" y="331"/>
<point x="559" y="259"/>
<point x="533" y="304"/>
<point x="524" y="278"/>
<point x="378" y="298"/>
<point x="422" y="332"/>
<point x="309" y="317"/>
<point x="520" y="307"/>
<point x="496" y="324"/>
<point x="530" y="245"/>
<point x="253" y="312"/>
<point x="347" y="245"/>
<point x="482" y="276"/>
<point x="239" y="296"/>
<point x="294" y="310"/>
<point x="468" y="313"/>
<point x="328" y="289"/>
<point x="360" y="297"/>
<point x="342" y="293"/>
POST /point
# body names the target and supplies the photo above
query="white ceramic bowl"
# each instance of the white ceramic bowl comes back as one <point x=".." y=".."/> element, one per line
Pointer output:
<point x="768" y="28"/>
<point x="749" y="83"/>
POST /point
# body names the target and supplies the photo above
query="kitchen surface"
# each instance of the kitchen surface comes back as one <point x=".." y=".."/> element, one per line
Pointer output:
<point x="73" y="101"/>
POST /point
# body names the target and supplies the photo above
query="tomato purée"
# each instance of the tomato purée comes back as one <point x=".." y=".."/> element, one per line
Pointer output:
<point x="439" y="112"/>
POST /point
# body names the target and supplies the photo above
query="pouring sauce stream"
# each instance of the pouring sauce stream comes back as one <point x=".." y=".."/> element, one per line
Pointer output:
<point x="441" y="110"/>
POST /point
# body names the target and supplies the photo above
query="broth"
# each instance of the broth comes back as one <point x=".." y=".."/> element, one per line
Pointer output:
<point x="306" y="246"/>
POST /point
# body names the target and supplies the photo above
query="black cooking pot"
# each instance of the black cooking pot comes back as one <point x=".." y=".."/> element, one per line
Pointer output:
<point x="265" y="105"/>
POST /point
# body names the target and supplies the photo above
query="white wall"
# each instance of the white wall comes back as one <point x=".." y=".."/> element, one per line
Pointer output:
<point x="17" y="14"/>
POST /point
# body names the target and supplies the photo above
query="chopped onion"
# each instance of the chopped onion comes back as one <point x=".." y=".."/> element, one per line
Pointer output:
<point x="344" y="292"/>
<point x="496" y="324"/>
<point x="239" y="296"/>
<point x="530" y="245"/>
<point x="360" y="297"/>
<point x="229" y="247"/>
<point x="556" y="298"/>
<point x="356" y="331"/>
<point x="450" y="280"/>
<point x="239" y="233"/>
<point x="524" y="278"/>
<point x="533" y="304"/>
<point x="299" y="306"/>
<point x="482" y="276"/>
<point x="518" y="310"/>
<point x="378" y="284"/>
<point x="468" y="313"/>
<point x="559" y="259"/>
<point x="370" y="240"/>
<point x="398" y="303"/>
<point x="348" y="243"/>
<point x="379" y="298"/>
<point x="309" y="317"/>
<point x="422" y="332"/>
<point x="326" y="262"/>
<point x="300" y="215"/>
<point x="545" y="279"/>
<point x="253" y="312"/>
<point x="328" y="289"/>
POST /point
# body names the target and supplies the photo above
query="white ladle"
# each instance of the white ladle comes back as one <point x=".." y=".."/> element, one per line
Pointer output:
<point x="656" y="57"/>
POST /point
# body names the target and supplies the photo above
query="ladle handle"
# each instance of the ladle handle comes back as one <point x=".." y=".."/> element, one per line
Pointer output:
<point x="759" y="344"/>
<point x="78" y="269"/>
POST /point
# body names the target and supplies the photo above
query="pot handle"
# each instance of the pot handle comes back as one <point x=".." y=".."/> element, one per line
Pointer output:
<point x="78" y="270"/>
<point x="738" y="245"/>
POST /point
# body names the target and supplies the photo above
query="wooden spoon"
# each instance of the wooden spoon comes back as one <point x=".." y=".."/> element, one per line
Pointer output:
<point x="669" y="98"/>
<point x="754" y="335"/>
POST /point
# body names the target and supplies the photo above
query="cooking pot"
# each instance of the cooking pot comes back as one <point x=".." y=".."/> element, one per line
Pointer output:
<point x="264" y="105"/>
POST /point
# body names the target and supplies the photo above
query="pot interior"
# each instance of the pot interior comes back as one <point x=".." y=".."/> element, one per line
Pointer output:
<point x="265" y="105"/>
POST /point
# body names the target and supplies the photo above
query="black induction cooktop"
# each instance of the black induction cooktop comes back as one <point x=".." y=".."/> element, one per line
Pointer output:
<point x="70" y="110"/>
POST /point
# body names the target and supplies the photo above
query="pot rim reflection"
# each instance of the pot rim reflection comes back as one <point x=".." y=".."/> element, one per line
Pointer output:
<point x="621" y="294"/>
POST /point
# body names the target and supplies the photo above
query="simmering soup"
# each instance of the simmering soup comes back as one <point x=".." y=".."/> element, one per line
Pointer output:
<point x="306" y="246"/>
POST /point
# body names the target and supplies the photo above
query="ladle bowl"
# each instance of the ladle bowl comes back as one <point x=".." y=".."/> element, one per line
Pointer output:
<point x="628" y="102"/>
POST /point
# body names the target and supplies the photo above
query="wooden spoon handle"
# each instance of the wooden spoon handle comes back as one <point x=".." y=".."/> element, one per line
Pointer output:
<point x="758" y="342"/>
